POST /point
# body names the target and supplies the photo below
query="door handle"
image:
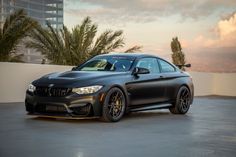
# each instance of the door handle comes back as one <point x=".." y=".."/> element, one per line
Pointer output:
<point x="162" y="77"/>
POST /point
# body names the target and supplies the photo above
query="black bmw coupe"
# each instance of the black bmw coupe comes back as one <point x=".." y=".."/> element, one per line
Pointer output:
<point x="109" y="86"/>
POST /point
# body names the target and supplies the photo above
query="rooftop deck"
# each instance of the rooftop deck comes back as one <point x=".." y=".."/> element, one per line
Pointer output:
<point x="209" y="129"/>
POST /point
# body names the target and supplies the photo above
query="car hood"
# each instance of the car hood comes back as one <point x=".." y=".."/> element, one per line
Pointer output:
<point x="73" y="78"/>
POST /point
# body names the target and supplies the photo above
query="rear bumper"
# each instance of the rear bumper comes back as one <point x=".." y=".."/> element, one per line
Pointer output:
<point x="73" y="105"/>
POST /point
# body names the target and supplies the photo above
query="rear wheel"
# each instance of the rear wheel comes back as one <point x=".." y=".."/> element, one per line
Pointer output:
<point x="114" y="105"/>
<point x="182" y="102"/>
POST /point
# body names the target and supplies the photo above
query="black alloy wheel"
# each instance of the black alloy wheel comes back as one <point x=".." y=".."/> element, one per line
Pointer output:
<point x="114" y="105"/>
<point x="182" y="103"/>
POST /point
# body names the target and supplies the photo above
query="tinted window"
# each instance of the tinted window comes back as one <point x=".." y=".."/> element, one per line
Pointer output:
<point x="165" y="66"/>
<point x="149" y="63"/>
<point x="107" y="63"/>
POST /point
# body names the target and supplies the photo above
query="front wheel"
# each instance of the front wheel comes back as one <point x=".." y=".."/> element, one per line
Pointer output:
<point x="182" y="102"/>
<point x="114" y="105"/>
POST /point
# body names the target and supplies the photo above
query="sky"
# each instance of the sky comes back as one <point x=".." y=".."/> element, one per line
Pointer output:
<point x="205" y="28"/>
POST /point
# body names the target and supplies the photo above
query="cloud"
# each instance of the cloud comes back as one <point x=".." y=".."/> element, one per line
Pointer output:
<point x="225" y="33"/>
<point x="145" y="10"/>
<point x="216" y="54"/>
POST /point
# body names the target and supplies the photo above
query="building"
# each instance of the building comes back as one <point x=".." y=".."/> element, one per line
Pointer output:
<point x="40" y="10"/>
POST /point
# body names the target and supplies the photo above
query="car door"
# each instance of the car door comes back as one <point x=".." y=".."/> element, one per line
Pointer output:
<point x="147" y="88"/>
<point x="170" y="75"/>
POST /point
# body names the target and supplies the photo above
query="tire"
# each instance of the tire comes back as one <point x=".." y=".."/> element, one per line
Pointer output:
<point x="114" y="105"/>
<point x="182" y="102"/>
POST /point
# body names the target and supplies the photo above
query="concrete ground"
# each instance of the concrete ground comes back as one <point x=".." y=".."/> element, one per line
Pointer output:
<point x="209" y="129"/>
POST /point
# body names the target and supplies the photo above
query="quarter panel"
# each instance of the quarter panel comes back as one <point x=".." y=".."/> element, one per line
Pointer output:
<point x="175" y="81"/>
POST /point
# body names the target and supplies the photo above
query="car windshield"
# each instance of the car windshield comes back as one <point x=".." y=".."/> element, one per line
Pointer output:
<point x="107" y="63"/>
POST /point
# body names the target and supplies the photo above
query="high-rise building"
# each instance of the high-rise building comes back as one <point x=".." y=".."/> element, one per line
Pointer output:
<point x="40" y="10"/>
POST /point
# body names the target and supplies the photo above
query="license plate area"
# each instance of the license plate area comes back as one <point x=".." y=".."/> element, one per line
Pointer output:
<point x="55" y="108"/>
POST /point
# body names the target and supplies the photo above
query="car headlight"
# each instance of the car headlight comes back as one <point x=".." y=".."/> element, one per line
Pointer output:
<point x="87" y="90"/>
<point x="31" y="88"/>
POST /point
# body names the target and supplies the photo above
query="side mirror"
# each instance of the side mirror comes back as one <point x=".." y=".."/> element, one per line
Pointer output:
<point x="138" y="70"/>
<point x="74" y="68"/>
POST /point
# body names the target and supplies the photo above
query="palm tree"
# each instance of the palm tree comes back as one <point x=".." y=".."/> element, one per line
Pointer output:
<point x="14" y="29"/>
<point x="65" y="47"/>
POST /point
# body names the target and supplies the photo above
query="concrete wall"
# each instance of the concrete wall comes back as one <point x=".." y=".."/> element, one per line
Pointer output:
<point x="224" y="84"/>
<point x="214" y="83"/>
<point x="15" y="77"/>
<point x="203" y="83"/>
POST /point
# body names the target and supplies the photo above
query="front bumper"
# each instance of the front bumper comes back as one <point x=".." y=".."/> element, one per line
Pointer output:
<point x="63" y="116"/>
<point x="73" y="105"/>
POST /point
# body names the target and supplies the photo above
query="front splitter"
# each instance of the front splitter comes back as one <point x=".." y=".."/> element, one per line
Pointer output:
<point x="61" y="117"/>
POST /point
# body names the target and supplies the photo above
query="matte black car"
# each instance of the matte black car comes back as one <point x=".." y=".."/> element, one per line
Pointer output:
<point x="109" y="86"/>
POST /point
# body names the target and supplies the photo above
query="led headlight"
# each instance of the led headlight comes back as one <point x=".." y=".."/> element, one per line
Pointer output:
<point x="87" y="90"/>
<point x="31" y="88"/>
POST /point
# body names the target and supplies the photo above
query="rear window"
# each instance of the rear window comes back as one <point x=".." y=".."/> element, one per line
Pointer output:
<point x="165" y="66"/>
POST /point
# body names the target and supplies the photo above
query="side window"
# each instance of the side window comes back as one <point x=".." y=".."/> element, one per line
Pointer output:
<point x="165" y="66"/>
<point x="149" y="63"/>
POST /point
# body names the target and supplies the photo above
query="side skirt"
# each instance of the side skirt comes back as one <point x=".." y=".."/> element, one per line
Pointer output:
<point x="152" y="107"/>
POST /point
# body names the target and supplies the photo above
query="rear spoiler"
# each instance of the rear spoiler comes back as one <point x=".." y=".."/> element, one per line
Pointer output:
<point x="185" y="65"/>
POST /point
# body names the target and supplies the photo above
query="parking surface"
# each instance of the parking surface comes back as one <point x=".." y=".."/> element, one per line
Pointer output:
<point x="209" y="129"/>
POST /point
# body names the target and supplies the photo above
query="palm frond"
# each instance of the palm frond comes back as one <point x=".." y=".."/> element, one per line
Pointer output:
<point x="135" y="48"/>
<point x="73" y="47"/>
<point x="107" y="42"/>
<point x="15" y="28"/>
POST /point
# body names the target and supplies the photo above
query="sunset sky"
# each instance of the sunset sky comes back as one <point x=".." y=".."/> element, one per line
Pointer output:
<point x="206" y="28"/>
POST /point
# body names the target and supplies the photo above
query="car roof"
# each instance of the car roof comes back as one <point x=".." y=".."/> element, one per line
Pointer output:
<point x="135" y="55"/>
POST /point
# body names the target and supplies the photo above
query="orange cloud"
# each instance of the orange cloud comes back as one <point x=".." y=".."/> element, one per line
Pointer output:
<point x="225" y="32"/>
<point x="216" y="53"/>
